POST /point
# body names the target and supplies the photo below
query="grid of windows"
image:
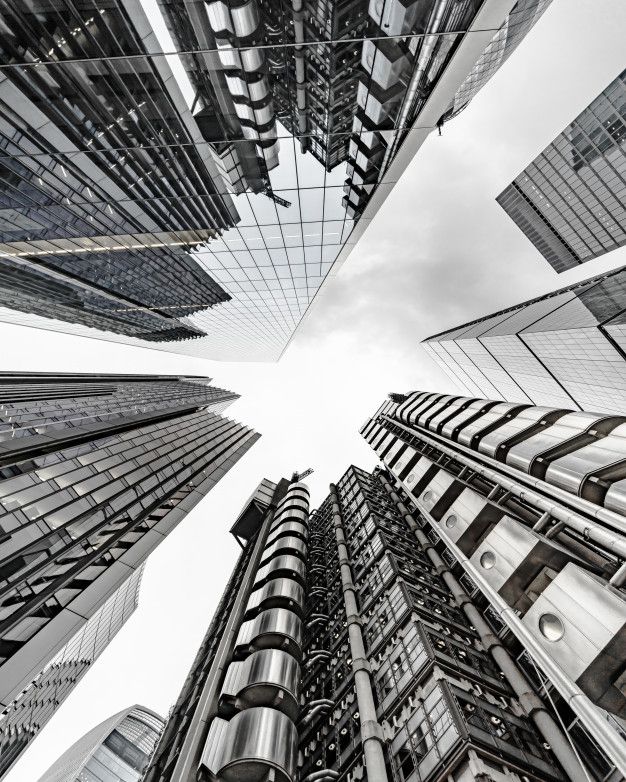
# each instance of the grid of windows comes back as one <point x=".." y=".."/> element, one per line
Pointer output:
<point x="117" y="750"/>
<point x="190" y="179"/>
<point x="22" y="720"/>
<point x="565" y="349"/>
<point x="571" y="200"/>
<point x="97" y="470"/>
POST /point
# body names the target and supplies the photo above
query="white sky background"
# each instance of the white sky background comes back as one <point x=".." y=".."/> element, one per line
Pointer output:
<point x="439" y="252"/>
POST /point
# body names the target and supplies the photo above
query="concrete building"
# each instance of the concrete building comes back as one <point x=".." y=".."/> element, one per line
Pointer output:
<point x="96" y="471"/>
<point x="571" y="200"/>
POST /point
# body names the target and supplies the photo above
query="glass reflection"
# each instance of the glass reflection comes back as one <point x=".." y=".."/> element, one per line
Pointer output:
<point x="190" y="178"/>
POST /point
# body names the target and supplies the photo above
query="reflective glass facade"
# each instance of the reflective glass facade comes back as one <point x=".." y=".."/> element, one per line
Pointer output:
<point x="567" y="348"/>
<point x="571" y="200"/>
<point x="21" y="721"/>
<point x="188" y="174"/>
<point x="96" y="471"/>
<point x="344" y="649"/>
<point x="117" y="750"/>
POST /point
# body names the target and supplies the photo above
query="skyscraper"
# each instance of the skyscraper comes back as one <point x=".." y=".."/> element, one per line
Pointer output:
<point x="349" y="644"/>
<point x="96" y="471"/>
<point x="526" y="504"/>
<point x="117" y="750"/>
<point x="570" y="201"/>
<point x="566" y="349"/>
<point x="198" y="200"/>
<point x="21" y="720"/>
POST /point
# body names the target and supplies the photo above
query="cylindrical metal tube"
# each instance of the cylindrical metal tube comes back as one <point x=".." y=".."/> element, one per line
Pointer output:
<point x="371" y="731"/>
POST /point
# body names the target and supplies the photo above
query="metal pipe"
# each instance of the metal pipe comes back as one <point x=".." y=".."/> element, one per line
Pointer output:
<point x="371" y="730"/>
<point x="298" y="28"/>
<point x="603" y="732"/>
<point x="584" y="526"/>
<point x="530" y="702"/>
<point x="189" y="753"/>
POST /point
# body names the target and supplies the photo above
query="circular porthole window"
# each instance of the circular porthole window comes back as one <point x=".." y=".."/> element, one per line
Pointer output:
<point x="451" y="520"/>
<point x="410" y="478"/>
<point x="551" y="627"/>
<point x="488" y="560"/>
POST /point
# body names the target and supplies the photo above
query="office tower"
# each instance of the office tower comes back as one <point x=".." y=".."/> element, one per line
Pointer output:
<point x="21" y="720"/>
<point x="96" y="471"/>
<point x="117" y="750"/>
<point x="566" y="349"/>
<point x="345" y="648"/>
<point x="196" y="201"/>
<point x="526" y="506"/>
<point x="104" y="179"/>
<point x="570" y="200"/>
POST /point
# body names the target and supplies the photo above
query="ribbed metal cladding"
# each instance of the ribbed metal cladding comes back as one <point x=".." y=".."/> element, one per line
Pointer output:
<point x="371" y="731"/>
<point x="254" y="732"/>
<point x="537" y="711"/>
<point x="502" y="488"/>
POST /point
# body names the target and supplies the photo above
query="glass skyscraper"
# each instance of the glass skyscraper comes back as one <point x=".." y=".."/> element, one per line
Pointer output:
<point x="187" y="174"/>
<point x="21" y="720"/>
<point x="117" y="750"/>
<point x="571" y="200"/>
<point x="96" y="471"/>
<point x="352" y="643"/>
<point x="566" y="348"/>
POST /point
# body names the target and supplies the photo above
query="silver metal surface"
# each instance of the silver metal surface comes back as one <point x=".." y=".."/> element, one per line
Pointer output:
<point x="570" y="471"/>
<point x="288" y="528"/>
<point x="492" y="417"/>
<point x="277" y="593"/>
<point x="290" y="512"/>
<point x="282" y="565"/>
<point x="615" y="498"/>
<point x="418" y="471"/>
<point x="462" y="418"/>
<point x="566" y="429"/>
<point x="255" y="742"/>
<point x="451" y="409"/>
<point x="594" y="720"/>
<point x="525" y="420"/>
<point x="440" y="406"/>
<point x="270" y="677"/>
<point x="414" y="400"/>
<point x="288" y="544"/>
<point x="592" y="648"/>
<point x="274" y="628"/>
<point x="511" y="544"/>
<point x="460" y="519"/>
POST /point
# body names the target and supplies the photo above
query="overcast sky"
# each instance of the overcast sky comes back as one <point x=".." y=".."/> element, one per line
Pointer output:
<point x="439" y="252"/>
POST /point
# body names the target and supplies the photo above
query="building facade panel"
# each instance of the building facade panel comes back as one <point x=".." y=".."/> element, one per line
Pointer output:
<point x="515" y="544"/>
<point x="571" y="200"/>
<point x="197" y="200"/>
<point x="22" y="719"/>
<point x="97" y="470"/>
<point x="405" y="671"/>
<point x="565" y="348"/>
<point x="117" y="750"/>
